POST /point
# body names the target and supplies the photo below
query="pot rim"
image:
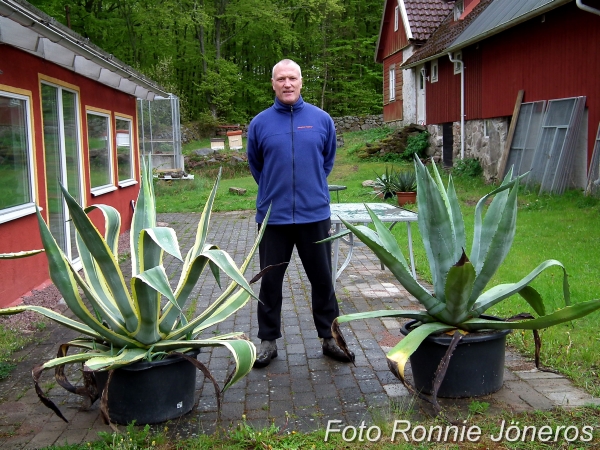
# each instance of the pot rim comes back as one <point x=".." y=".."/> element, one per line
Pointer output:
<point x="470" y="337"/>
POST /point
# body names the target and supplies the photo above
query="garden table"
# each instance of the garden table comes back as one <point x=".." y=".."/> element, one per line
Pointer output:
<point x="357" y="213"/>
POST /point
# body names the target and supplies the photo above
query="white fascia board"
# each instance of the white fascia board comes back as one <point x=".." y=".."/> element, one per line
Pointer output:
<point x="405" y="21"/>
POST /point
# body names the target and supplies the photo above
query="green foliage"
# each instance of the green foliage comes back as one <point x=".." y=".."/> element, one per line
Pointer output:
<point x="5" y="369"/>
<point x="217" y="56"/>
<point x="416" y="145"/>
<point x="468" y="167"/>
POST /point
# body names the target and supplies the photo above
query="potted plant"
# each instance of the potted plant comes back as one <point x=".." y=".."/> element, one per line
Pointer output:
<point x="406" y="186"/>
<point x="385" y="184"/>
<point x="139" y="337"/>
<point x="456" y="306"/>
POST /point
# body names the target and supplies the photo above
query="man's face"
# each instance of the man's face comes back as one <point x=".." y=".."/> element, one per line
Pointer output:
<point x="287" y="83"/>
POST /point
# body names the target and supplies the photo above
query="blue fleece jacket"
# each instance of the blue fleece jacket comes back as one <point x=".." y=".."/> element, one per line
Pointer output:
<point x="291" y="150"/>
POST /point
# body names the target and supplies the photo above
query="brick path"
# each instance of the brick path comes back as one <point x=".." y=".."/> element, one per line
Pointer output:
<point x="300" y="390"/>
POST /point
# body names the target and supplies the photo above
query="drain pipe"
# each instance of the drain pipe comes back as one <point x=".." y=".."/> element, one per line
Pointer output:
<point x="587" y="8"/>
<point x="462" y="104"/>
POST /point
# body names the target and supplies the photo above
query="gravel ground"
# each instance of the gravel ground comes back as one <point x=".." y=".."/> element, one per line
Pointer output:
<point x="47" y="296"/>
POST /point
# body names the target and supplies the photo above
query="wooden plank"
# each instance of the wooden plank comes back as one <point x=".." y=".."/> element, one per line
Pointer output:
<point x="510" y="135"/>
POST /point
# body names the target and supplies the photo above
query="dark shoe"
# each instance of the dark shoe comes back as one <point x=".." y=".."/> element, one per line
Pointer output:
<point x="331" y="349"/>
<point x="268" y="351"/>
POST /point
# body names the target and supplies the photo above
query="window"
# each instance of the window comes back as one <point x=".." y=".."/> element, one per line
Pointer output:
<point x="396" y="17"/>
<point x="392" y="84"/>
<point x="124" y="152"/>
<point x="457" y="65"/>
<point x="487" y="127"/>
<point x="99" y="147"/>
<point x="16" y="161"/>
<point x="459" y="8"/>
<point x="434" y="71"/>
<point x="61" y="125"/>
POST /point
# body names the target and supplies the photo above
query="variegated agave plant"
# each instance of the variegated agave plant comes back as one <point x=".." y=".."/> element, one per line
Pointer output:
<point x="458" y="299"/>
<point x="122" y="326"/>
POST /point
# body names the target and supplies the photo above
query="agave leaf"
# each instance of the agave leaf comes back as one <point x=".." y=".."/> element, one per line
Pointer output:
<point x="144" y="215"/>
<point x="146" y="288"/>
<point x="386" y="238"/>
<point x="69" y="359"/>
<point x="223" y="307"/>
<point x="105" y="259"/>
<point x="101" y="299"/>
<point x="17" y="255"/>
<point x="53" y="315"/>
<point x="497" y="237"/>
<point x="458" y="225"/>
<point x="65" y="278"/>
<point x="398" y="356"/>
<point x="534" y="299"/>
<point x="152" y="242"/>
<point x="498" y="293"/>
<point x="88" y="344"/>
<point x="565" y="314"/>
<point x="202" y="230"/>
<point x="109" y="362"/>
<point x="112" y="225"/>
<point x="459" y="284"/>
<point x="419" y="315"/>
<point x="435" y="225"/>
<point x="243" y="351"/>
<point x="400" y="271"/>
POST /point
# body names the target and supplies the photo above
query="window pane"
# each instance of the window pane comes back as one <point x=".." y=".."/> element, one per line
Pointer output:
<point x="124" y="149"/>
<point x="54" y="175"/>
<point x="15" y="185"/>
<point x="99" y="150"/>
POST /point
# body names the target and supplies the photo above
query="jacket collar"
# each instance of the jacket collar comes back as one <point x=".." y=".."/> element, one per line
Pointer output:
<point x="283" y="107"/>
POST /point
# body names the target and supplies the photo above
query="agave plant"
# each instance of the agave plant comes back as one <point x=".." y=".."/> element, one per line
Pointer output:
<point x="121" y="325"/>
<point x="458" y="299"/>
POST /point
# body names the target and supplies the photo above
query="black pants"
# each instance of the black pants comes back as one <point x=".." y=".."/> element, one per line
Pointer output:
<point x="276" y="247"/>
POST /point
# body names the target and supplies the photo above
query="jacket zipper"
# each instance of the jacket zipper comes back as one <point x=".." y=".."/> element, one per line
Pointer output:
<point x="293" y="166"/>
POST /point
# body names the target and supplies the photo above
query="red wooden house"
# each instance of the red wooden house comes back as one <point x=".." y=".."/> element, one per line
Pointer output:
<point x="485" y="52"/>
<point x="62" y="101"/>
<point x="405" y="26"/>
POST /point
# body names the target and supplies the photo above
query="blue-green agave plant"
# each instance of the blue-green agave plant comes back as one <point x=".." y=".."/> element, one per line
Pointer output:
<point x="123" y="324"/>
<point x="458" y="299"/>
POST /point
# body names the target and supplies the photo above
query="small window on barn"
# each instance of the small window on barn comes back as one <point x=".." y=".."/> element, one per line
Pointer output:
<point x="124" y="152"/>
<point x="392" y="84"/>
<point x="396" y="17"/>
<point x="457" y="65"/>
<point x="459" y="8"/>
<point x="434" y="71"/>
<point x="16" y="158"/>
<point x="100" y="154"/>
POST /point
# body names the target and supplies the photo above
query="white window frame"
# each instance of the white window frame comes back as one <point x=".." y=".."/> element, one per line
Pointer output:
<point x="392" y="82"/>
<point x="131" y="180"/>
<point x="15" y="212"/>
<point x="457" y="65"/>
<point x="434" y="71"/>
<point x="396" y="17"/>
<point x="459" y="8"/>
<point x="106" y="188"/>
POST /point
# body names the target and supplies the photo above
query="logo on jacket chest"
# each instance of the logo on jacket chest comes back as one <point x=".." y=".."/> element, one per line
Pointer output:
<point x="303" y="127"/>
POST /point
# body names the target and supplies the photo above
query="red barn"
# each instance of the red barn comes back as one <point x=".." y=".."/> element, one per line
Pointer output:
<point x="485" y="53"/>
<point x="62" y="100"/>
<point x="405" y="26"/>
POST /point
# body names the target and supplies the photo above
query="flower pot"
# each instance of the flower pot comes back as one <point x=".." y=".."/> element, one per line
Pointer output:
<point x="406" y="197"/>
<point x="150" y="392"/>
<point x="476" y="367"/>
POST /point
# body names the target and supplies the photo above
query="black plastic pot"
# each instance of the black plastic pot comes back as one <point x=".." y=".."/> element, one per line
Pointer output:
<point x="476" y="367"/>
<point x="150" y="392"/>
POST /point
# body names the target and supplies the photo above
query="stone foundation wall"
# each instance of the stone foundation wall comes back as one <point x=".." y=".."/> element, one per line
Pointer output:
<point x="487" y="149"/>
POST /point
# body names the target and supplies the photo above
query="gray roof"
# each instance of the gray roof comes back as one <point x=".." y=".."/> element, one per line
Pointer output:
<point x="503" y="14"/>
<point x="25" y="27"/>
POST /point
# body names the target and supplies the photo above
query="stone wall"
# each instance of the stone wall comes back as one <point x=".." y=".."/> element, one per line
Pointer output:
<point x="486" y="148"/>
<point x="356" y="123"/>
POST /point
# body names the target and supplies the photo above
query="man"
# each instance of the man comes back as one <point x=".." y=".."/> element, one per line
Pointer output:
<point x="291" y="149"/>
